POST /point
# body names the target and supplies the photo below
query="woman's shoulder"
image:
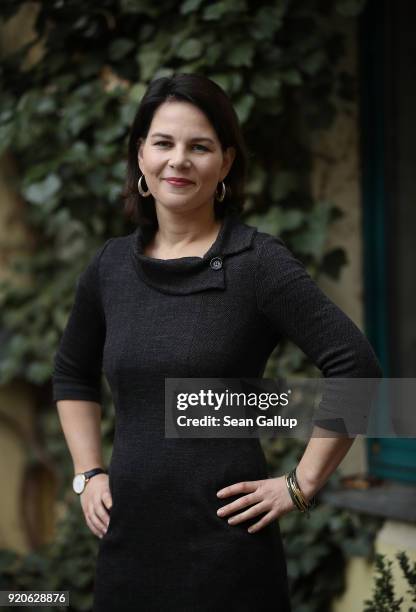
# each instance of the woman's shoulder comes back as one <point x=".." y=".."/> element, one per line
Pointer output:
<point x="109" y="254"/>
<point x="267" y="244"/>
<point x="114" y="247"/>
<point x="248" y="232"/>
<point x="273" y="255"/>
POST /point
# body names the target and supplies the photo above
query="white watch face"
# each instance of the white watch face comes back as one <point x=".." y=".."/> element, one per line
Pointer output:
<point x="78" y="483"/>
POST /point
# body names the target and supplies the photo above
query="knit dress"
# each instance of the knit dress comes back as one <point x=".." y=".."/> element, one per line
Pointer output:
<point x="139" y="320"/>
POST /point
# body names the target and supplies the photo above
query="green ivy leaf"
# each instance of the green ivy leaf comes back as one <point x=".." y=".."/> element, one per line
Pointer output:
<point x="241" y="54"/>
<point x="118" y="170"/>
<point x="311" y="240"/>
<point x="282" y="184"/>
<point x="257" y="180"/>
<point x="148" y="59"/>
<point x="110" y="131"/>
<point x="145" y="7"/>
<point x="220" y="9"/>
<point x="333" y="262"/>
<point x="213" y="53"/>
<point x="266" y="222"/>
<point x="77" y="153"/>
<point x="163" y="71"/>
<point x="214" y="11"/>
<point x="222" y="79"/>
<point x="243" y="106"/>
<point x="119" y="48"/>
<point x="45" y="105"/>
<point x="265" y="86"/>
<point x="291" y="219"/>
<point x="313" y="62"/>
<point x="291" y="77"/>
<point x="189" y="49"/>
<point x="38" y="193"/>
<point x="267" y="21"/>
<point x="128" y="110"/>
<point x="235" y="82"/>
<point x="189" y="6"/>
<point x="6" y="135"/>
<point x="39" y="372"/>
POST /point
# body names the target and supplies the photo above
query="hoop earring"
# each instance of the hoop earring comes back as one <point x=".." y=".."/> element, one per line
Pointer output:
<point x="143" y="193"/>
<point x="223" y="191"/>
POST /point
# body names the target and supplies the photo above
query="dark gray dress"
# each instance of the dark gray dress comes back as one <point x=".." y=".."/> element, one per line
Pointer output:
<point x="141" y="319"/>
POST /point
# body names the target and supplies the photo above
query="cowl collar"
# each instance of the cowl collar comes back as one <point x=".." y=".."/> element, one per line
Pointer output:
<point x="185" y="275"/>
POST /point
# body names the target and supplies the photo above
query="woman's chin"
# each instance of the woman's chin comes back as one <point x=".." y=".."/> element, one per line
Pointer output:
<point x="181" y="204"/>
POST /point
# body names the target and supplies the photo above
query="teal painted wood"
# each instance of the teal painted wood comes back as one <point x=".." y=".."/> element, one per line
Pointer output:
<point x="393" y="459"/>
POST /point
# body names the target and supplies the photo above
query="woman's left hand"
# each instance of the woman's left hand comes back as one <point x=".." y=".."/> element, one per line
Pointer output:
<point x="270" y="495"/>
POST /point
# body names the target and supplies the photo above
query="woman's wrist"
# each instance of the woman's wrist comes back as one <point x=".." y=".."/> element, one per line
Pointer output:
<point x="308" y="487"/>
<point x="300" y="501"/>
<point x="84" y="466"/>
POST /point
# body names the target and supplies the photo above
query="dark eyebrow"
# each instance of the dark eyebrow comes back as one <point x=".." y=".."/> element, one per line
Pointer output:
<point x="191" y="140"/>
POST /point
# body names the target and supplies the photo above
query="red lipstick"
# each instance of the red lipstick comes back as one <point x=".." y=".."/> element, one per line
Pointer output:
<point x="178" y="181"/>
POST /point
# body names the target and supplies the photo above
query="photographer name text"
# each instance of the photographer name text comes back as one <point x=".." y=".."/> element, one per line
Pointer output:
<point x="228" y="421"/>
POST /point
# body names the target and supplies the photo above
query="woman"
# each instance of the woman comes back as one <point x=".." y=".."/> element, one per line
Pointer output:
<point x="193" y="292"/>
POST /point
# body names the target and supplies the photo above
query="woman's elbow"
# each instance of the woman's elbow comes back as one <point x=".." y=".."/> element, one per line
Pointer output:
<point x="367" y="364"/>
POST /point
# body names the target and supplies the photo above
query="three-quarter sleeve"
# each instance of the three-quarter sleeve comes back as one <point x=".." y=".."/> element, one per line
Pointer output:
<point x="296" y="308"/>
<point x="78" y="360"/>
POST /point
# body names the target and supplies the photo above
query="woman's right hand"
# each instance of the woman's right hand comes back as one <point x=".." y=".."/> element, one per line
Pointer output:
<point x="96" y="500"/>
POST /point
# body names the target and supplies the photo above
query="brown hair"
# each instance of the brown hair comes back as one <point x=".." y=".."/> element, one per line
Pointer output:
<point x="211" y="99"/>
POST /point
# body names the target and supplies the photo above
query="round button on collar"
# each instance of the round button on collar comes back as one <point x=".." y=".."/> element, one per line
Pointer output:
<point x="216" y="263"/>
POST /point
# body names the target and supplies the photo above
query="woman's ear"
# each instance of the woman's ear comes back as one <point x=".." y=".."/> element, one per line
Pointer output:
<point x="229" y="156"/>
<point x="140" y="144"/>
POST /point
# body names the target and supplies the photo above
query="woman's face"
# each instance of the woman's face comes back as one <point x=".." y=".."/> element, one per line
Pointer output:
<point x="182" y="143"/>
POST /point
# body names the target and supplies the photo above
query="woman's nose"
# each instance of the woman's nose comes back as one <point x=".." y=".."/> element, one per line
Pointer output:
<point x="179" y="157"/>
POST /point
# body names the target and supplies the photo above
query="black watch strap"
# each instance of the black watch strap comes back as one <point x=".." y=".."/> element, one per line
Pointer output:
<point x="93" y="472"/>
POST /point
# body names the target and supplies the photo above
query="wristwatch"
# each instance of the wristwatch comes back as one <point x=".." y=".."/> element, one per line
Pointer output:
<point x="80" y="480"/>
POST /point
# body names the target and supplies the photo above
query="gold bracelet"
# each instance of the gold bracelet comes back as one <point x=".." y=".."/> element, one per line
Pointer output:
<point x="297" y="495"/>
<point x="308" y="505"/>
<point x="297" y="491"/>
